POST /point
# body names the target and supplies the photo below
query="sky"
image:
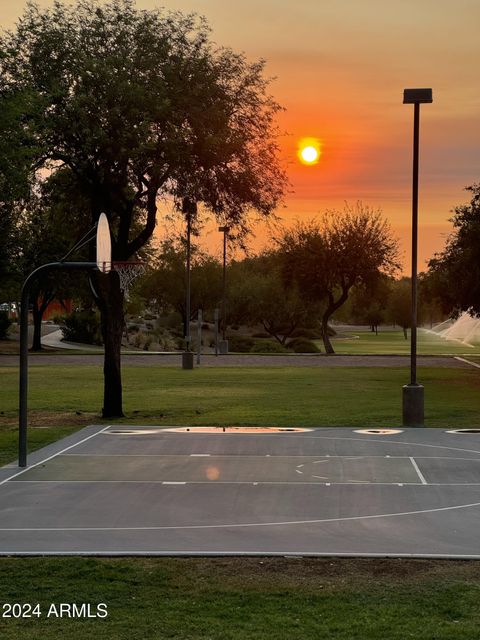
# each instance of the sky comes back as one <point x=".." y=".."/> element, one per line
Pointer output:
<point x="340" y="67"/>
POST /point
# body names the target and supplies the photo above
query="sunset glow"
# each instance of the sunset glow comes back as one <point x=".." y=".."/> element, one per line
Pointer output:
<point x="340" y="70"/>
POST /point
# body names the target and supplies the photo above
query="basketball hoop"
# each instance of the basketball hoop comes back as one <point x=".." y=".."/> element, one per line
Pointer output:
<point x="128" y="272"/>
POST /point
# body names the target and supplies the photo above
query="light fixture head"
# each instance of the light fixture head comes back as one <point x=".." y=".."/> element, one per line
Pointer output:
<point x="417" y="96"/>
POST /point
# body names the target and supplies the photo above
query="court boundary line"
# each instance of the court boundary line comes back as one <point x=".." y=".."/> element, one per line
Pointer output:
<point x="28" y="468"/>
<point x="259" y="482"/>
<point x="248" y="455"/>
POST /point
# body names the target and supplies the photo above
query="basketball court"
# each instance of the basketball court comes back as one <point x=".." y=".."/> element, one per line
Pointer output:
<point x="113" y="490"/>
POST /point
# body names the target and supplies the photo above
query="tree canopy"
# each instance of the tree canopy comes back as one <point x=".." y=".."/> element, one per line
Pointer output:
<point x="326" y="259"/>
<point x="139" y="105"/>
<point x="454" y="274"/>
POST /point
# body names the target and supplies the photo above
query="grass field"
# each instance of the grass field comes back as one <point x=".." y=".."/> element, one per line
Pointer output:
<point x="355" y="342"/>
<point x="246" y="599"/>
<point x="393" y="342"/>
<point x="63" y="398"/>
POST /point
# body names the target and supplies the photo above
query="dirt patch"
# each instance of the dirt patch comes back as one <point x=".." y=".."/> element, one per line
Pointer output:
<point x="294" y="571"/>
<point x="45" y="419"/>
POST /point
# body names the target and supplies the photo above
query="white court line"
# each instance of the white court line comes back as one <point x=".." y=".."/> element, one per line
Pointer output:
<point x="369" y="440"/>
<point x="268" y="482"/>
<point x="250" y="524"/>
<point x="474" y="364"/>
<point x="419" y="473"/>
<point x="241" y="455"/>
<point x="54" y="455"/>
<point x="199" y="455"/>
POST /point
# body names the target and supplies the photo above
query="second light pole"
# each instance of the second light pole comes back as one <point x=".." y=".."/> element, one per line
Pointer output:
<point x="413" y="396"/>
<point x="223" y="345"/>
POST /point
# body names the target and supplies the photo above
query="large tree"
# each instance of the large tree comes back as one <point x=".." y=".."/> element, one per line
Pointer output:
<point x="454" y="274"/>
<point x="325" y="259"/>
<point x="258" y="294"/>
<point x="139" y="104"/>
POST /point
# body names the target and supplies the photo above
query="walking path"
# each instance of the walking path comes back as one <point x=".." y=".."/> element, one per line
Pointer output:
<point x="236" y="360"/>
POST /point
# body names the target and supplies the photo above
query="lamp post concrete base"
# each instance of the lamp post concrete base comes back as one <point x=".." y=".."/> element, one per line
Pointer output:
<point x="413" y="405"/>
<point x="187" y="360"/>
<point x="223" y="347"/>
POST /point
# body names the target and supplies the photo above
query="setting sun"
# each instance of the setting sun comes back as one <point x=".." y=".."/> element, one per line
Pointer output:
<point x="309" y="151"/>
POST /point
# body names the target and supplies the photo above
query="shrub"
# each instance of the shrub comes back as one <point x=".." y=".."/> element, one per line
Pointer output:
<point x="300" y="345"/>
<point x="307" y="334"/>
<point x="261" y="335"/>
<point x="82" y="326"/>
<point x="267" y="346"/>
<point x="5" y="323"/>
<point x="311" y="334"/>
<point x="240" y="344"/>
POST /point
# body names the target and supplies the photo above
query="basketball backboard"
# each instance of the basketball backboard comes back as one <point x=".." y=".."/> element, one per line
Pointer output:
<point x="104" y="244"/>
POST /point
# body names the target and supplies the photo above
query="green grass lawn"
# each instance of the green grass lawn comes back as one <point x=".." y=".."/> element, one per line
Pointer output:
<point x="393" y="342"/>
<point x="246" y="599"/>
<point x="62" y="398"/>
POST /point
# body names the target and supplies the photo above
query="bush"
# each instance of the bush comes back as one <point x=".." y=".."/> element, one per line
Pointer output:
<point x="82" y="326"/>
<point x="300" y="345"/>
<point x="5" y="323"/>
<point x="240" y="344"/>
<point x="261" y="335"/>
<point x="307" y="334"/>
<point x="311" y="334"/>
<point x="267" y="346"/>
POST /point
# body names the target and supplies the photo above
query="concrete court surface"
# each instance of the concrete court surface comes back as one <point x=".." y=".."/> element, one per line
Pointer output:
<point x="121" y="490"/>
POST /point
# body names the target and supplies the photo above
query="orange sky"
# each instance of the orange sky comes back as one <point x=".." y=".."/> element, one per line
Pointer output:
<point x="341" y="67"/>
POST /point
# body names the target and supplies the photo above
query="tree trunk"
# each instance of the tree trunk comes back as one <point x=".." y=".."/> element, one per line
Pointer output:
<point x="332" y="307"/>
<point x="405" y="335"/>
<point x="110" y="303"/>
<point x="325" y="337"/>
<point x="37" y="328"/>
<point x="38" y="311"/>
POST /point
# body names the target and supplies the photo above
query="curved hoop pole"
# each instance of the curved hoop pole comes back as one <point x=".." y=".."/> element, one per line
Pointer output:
<point x="23" y="394"/>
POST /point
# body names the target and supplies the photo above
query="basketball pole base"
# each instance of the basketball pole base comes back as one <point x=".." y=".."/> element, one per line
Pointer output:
<point x="413" y="405"/>
<point x="187" y="360"/>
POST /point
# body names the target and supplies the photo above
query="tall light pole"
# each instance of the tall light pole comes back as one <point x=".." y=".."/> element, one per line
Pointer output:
<point x="189" y="208"/>
<point x="413" y="393"/>
<point x="224" y="342"/>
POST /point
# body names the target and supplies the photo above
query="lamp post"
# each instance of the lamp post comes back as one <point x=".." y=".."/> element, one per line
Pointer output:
<point x="413" y="393"/>
<point x="189" y="208"/>
<point x="223" y="345"/>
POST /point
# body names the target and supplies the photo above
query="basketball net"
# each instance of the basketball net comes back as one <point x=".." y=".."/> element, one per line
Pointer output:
<point x="128" y="272"/>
